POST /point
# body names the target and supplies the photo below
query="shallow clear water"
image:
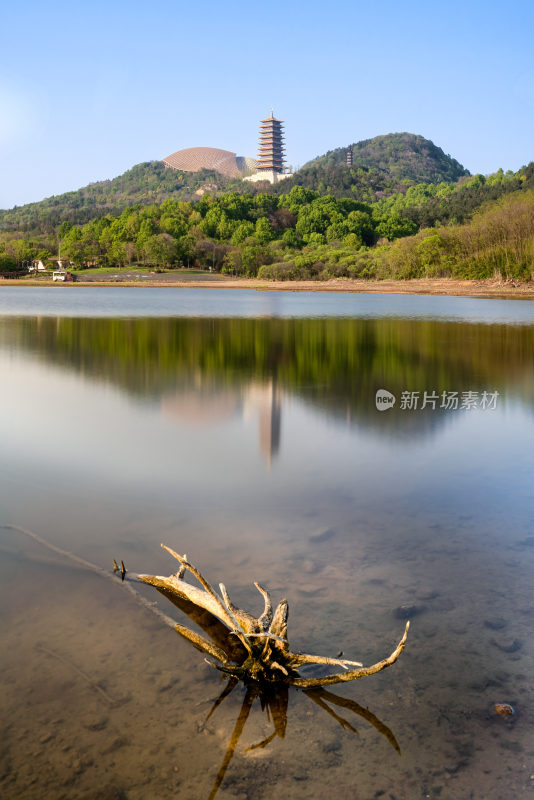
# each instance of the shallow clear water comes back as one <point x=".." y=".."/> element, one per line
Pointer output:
<point x="70" y="301"/>
<point x="242" y="428"/>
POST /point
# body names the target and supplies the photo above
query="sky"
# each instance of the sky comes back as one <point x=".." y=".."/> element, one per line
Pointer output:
<point x="87" y="90"/>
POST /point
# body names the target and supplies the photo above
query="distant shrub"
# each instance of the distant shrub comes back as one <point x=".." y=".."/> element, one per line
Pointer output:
<point x="7" y="263"/>
<point x="282" y="271"/>
<point x="306" y="270"/>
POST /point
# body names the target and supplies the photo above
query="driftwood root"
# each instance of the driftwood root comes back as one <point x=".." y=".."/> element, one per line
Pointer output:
<point x="247" y="647"/>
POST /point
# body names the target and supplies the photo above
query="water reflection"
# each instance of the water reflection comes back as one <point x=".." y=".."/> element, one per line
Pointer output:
<point x="208" y="405"/>
<point x="120" y="434"/>
<point x="204" y="371"/>
<point x="274" y="701"/>
<point x="266" y="400"/>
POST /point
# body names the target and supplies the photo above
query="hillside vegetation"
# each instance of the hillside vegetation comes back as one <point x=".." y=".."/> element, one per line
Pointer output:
<point x="476" y="227"/>
<point x="383" y="166"/>
<point x="498" y="242"/>
<point x="144" y="184"/>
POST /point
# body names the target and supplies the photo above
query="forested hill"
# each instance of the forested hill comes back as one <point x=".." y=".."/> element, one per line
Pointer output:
<point x="404" y="156"/>
<point x="382" y="166"/>
<point x="144" y="184"/>
<point x="478" y="227"/>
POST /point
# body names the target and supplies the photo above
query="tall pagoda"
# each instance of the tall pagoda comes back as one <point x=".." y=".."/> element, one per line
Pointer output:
<point x="271" y="145"/>
<point x="270" y="163"/>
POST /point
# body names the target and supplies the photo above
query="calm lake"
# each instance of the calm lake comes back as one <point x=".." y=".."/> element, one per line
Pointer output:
<point x="242" y="428"/>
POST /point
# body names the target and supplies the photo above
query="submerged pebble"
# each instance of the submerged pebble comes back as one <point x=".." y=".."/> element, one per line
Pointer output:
<point x="507" y="645"/>
<point x="495" y="624"/>
<point x="504" y="709"/>
<point x="427" y="594"/>
<point x="408" y="611"/>
<point x="97" y="724"/>
<point x="310" y="590"/>
<point x="322" y="536"/>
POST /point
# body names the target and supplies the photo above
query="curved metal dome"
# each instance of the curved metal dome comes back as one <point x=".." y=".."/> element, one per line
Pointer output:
<point x="193" y="159"/>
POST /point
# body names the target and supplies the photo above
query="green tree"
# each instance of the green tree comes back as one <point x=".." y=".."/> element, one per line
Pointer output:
<point x="211" y="221"/>
<point x="117" y="254"/>
<point x="242" y="232"/>
<point x="312" y="220"/>
<point x="174" y="224"/>
<point x="185" y="249"/>
<point x="360" y="223"/>
<point x="226" y="227"/>
<point x="23" y="251"/>
<point x="7" y="263"/>
<point x="291" y="238"/>
<point x="264" y="232"/>
<point x="394" y="227"/>
<point x="353" y="241"/>
<point x="233" y="262"/>
<point x="160" y="249"/>
<point x="63" y="229"/>
<point x="296" y="198"/>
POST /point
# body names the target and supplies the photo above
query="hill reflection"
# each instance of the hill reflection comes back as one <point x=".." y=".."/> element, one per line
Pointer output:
<point x="203" y="370"/>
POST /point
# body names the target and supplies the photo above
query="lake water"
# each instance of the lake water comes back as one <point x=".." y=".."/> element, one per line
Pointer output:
<point x="241" y="427"/>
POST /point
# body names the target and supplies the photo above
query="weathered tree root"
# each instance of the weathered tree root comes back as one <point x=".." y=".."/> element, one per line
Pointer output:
<point x="245" y="647"/>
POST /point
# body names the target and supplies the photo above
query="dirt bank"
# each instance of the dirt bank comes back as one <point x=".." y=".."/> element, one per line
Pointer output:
<point x="440" y="286"/>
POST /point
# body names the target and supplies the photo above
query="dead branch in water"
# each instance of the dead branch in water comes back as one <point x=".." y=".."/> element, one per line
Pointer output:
<point x="264" y="655"/>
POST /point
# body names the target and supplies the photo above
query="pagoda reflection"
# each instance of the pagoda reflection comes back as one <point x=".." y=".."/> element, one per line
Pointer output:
<point x="206" y="404"/>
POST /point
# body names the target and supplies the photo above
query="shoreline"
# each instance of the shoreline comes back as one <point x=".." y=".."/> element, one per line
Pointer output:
<point x="433" y="286"/>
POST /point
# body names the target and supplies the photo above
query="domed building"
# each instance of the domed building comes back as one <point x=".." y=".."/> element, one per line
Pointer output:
<point x="194" y="159"/>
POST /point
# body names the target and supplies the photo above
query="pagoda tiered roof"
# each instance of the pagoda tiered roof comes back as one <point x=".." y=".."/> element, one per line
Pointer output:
<point x="271" y="145"/>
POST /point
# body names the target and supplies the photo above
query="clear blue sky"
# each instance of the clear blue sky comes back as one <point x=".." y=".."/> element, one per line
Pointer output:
<point x="87" y="90"/>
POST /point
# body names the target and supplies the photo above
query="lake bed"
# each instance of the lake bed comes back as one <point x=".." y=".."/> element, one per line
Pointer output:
<point x="242" y="428"/>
